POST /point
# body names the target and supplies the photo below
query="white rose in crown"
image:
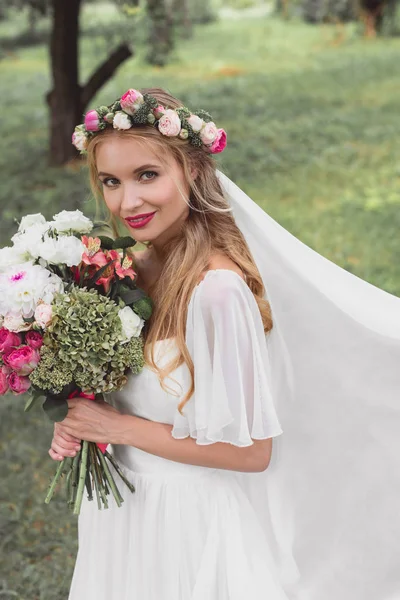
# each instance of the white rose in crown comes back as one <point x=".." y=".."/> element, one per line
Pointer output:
<point x="71" y="220"/>
<point x="170" y="123"/>
<point x="79" y="139"/>
<point x="132" y="324"/>
<point x="121" y="121"/>
<point x="64" y="250"/>
<point x="195" y="122"/>
<point x="209" y="133"/>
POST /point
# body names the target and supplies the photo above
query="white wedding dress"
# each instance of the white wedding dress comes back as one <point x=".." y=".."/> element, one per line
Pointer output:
<point x="191" y="532"/>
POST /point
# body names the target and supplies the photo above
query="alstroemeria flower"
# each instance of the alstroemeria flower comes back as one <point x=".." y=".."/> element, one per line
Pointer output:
<point x="122" y="269"/>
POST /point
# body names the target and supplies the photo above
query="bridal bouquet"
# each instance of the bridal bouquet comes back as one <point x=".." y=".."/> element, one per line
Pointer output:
<point x="71" y="318"/>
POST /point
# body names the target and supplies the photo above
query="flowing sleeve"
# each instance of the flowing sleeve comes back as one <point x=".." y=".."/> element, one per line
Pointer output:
<point x="232" y="401"/>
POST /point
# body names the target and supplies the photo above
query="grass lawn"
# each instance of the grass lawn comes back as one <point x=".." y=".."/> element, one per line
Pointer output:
<point x="313" y="138"/>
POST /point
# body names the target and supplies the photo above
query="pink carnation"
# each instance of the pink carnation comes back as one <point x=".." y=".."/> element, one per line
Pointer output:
<point x="18" y="385"/>
<point x="92" y="121"/>
<point x="23" y="360"/>
<point x="170" y="123"/>
<point x="131" y="101"/>
<point x="34" y="339"/>
<point x="220" y="142"/>
<point x="8" y="339"/>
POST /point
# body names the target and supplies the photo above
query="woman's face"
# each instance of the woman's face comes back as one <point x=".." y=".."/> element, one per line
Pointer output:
<point x="135" y="182"/>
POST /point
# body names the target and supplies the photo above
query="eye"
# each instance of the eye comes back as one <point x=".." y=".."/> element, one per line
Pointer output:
<point x="151" y="173"/>
<point x="108" y="182"/>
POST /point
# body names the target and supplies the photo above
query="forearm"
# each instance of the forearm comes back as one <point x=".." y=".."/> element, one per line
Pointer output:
<point x="155" y="438"/>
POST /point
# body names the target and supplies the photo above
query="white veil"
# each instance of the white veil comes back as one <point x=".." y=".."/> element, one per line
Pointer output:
<point x="332" y="501"/>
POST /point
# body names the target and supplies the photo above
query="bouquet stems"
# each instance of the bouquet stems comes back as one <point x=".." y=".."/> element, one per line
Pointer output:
<point x="89" y="469"/>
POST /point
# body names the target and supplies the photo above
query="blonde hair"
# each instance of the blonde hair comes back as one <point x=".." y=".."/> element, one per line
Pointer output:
<point x="209" y="228"/>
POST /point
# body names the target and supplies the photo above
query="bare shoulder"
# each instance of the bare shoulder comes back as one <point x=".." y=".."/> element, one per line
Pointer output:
<point x="221" y="261"/>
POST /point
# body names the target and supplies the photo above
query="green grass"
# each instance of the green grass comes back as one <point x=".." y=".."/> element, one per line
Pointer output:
<point x="313" y="137"/>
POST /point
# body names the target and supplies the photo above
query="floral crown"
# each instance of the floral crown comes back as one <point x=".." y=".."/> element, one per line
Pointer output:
<point x="135" y="108"/>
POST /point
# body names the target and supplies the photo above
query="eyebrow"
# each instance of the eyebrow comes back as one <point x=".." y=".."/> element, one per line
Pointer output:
<point x="142" y="168"/>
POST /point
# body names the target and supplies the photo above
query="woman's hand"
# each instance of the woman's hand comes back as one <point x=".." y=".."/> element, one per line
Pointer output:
<point x="63" y="444"/>
<point x="91" y="420"/>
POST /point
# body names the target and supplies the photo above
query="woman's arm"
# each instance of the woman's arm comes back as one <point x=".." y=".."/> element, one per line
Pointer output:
<point x="155" y="438"/>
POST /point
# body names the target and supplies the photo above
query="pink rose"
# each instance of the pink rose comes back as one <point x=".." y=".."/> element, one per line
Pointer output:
<point x="131" y="101"/>
<point x="43" y="314"/>
<point x="9" y="339"/>
<point x="92" y="121"/>
<point x="209" y="133"/>
<point x="34" y="339"/>
<point x="170" y="123"/>
<point x="18" y="385"/>
<point x="23" y="360"/>
<point x="158" y="111"/>
<point x="3" y="383"/>
<point x="219" y="143"/>
<point x="195" y="122"/>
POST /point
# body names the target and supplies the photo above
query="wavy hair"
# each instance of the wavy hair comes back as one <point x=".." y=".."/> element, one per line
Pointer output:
<point x="210" y="228"/>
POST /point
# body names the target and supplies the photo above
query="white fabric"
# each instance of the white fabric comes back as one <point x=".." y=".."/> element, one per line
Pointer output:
<point x="190" y="532"/>
<point x="323" y="521"/>
<point x="226" y="340"/>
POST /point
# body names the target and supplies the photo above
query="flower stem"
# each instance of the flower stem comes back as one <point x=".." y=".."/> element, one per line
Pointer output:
<point x="119" y="471"/>
<point x="74" y="480"/>
<point x="93" y="470"/>
<point x="82" y="478"/>
<point x="54" y="481"/>
<point x="118" y="498"/>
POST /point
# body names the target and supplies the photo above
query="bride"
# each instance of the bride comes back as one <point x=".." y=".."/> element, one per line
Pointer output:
<point x="254" y="336"/>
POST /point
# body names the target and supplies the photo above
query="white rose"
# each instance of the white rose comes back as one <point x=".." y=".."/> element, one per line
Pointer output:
<point x="66" y="250"/>
<point x="79" y="140"/>
<point x="209" y="133"/>
<point x="195" y="122"/>
<point x="121" y="121"/>
<point x="71" y="220"/>
<point x="43" y="315"/>
<point x="10" y="256"/>
<point x="170" y="123"/>
<point x="30" y="220"/>
<point x="54" y="286"/>
<point x="132" y="324"/>
<point x="15" y="322"/>
<point x="28" y="241"/>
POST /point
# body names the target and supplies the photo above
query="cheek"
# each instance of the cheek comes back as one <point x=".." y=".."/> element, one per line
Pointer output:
<point x="111" y="201"/>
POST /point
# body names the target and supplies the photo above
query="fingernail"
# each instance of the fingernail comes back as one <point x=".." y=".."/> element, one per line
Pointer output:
<point x="77" y="447"/>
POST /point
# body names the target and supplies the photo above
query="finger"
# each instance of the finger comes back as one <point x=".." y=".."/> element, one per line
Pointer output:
<point x="55" y="456"/>
<point x="58" y="439"/>
<point x="62" y="451"/>
<point x="67" y="436"/>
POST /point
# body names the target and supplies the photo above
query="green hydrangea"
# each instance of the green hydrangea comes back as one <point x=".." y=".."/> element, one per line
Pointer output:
<point x="50" y="373"/>
<point x="86" y="338"/>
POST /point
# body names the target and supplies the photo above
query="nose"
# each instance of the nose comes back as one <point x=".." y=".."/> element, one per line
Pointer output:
<point x="131" y="199"/>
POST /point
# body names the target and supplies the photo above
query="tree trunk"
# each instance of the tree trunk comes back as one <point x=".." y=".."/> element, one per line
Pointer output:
<point x="68" y="99"/>
<point x="181" y="17"/>
<point x="160" y="38"/>
<point x="372" y="15"/>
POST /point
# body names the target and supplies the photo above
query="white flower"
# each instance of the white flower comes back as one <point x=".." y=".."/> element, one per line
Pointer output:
<point x="29" y="220"/>
<point x="23" y="286"/>
<point x="71" y="220"/>
<point x="209" y="133"/>
<point x="170" y="123"/>
<point x="132" y="324"/>
<point x="195" y="122"/>
<point x="15" y="322"/>
<point x="79" y="139"/>
<point x="28" y="241"/>
<point x="12" y="256"/>
<point x="121" y="121"/>
<point x="66" y="250"/>
<point x="43" y="315"/>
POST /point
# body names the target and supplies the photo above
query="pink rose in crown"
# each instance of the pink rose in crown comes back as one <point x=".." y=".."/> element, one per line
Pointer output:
<point x="3" y="383"/>
<point x="92" y="121"/>
<point x="34" y="339"/>
<point x="170" y="123"/>
<point x="220" y="142"/>
<point x="23" y="360"/>
<point x="9" y="339"/>
<point x="18" y="384"/>
<point x="131" y="101"/>
<point x="158" y="111"/>
<point x="209" y="133"/>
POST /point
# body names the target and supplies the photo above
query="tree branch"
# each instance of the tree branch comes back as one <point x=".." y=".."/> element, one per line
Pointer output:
<point x="104" y="72"/>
